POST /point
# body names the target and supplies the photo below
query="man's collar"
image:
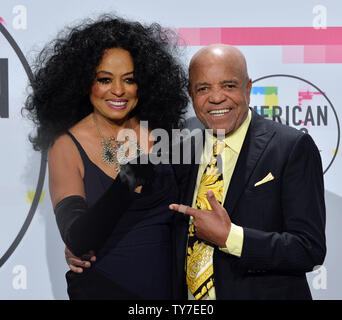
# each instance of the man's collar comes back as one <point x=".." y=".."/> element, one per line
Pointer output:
<point x="233" y="141"/>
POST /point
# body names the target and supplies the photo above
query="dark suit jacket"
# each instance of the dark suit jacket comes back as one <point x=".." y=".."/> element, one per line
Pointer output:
<point x="283" y="220"/>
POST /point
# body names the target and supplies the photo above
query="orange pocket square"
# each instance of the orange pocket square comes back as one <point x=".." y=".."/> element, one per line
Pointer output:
<point x="268" y="178"/>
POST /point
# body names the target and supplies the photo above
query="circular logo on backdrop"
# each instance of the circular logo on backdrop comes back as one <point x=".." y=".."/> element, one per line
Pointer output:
<point x="42" y="170"/>
<point x="298" y="103"/>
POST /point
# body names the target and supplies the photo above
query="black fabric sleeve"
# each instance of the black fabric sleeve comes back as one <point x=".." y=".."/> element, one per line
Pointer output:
<point x="82" y="228"/>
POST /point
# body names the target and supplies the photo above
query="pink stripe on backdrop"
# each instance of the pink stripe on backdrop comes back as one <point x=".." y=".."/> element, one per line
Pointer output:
<point x="293" y="54"/>
<point x="314" y="54"/>
<point x="333" y="54"/>
<point x="189" y="37"/>
<point x="266" y="36"/>
<point x="210" y="35"/>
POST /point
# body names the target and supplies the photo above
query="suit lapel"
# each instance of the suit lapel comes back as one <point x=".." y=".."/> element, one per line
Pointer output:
<point x="196" y="152"/>
<point x="189" y="193"/>
<point x="182" y="221"/>
<point x="255" y="142"/>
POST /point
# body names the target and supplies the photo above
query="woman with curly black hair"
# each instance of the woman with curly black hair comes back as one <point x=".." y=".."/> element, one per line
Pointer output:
<point x="101" y="79"/>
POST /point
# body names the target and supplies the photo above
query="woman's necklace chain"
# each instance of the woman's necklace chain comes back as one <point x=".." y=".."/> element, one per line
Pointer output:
<point x="116" y="152"/>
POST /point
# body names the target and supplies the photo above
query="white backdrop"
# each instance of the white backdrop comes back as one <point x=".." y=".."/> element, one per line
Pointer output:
<point x="276" y="40"/>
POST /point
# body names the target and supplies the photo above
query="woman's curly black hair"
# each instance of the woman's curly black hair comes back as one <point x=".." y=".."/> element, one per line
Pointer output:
<point x="65" y="69"/>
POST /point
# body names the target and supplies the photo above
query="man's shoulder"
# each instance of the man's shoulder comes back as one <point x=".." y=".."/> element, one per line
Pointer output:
<point x="280" y="129"/>
<point x="286" y="136"/>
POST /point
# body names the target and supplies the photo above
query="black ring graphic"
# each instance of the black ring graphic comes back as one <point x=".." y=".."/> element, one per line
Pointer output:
<point x="331" y="105"/>
<point x="43" y="160"/>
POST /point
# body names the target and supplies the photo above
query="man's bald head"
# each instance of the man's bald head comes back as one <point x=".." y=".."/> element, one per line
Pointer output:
<point x="215" y="52"/>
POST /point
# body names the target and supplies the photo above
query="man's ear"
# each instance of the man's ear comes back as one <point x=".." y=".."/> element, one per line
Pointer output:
<point x="248" y="90"/>
<point x="189" y="91"/>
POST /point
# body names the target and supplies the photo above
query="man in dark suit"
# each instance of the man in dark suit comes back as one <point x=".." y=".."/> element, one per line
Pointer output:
<point x="270" y="229"/>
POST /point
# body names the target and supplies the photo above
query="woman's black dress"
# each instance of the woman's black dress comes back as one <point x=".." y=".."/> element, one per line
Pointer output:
<point x="135" y="261"/>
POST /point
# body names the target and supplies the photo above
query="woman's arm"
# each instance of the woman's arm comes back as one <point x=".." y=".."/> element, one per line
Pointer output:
<point x="86" y="228"/>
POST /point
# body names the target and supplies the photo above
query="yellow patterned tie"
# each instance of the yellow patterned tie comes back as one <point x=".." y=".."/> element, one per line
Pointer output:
<point x="200" y="271"/>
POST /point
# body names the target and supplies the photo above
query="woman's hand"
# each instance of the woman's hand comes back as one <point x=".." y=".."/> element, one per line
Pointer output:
<point x="76" y="264"/>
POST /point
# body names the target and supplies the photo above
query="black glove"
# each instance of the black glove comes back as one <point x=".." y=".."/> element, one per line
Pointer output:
<point x="137" y="172"/>
<point x="83" y="228"/>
